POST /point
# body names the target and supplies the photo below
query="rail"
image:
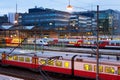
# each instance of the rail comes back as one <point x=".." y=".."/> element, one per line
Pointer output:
<point x="84" y="50"/>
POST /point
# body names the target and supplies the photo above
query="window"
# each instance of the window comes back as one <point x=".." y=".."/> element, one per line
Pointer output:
<point x="117" y="44"/>
<point x="118" y="70"/>
<point x="66" y="64"/>
<point x="10" y="58"/>
<point x="27" y="59"/>
<point x="100" y="68"/>
<point x="42" y="61"/>
<point x="15" y="57"/>
<point x="112" y="43"/>
<point x="21" y="58"/>
<point x="58" y="63"/>
<point x="50" y="62"/>
<point x="87" y="67"/>
<point x="109" y="70"/>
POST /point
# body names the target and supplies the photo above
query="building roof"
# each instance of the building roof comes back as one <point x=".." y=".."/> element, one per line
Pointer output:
<point x="28" y="27"/>
<point x="21" y="27"/>
<point x="5" y="27"/>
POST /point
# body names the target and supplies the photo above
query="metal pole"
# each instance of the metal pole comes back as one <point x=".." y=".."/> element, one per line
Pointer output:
<point x="35" y="33"/>
<point x="35" y="39"/>
<point x="97" y="52"/>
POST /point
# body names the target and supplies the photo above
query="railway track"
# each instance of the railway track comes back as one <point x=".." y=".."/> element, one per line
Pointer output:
<point x="85" y="50"/>
<point x="30" y="75"/>
<point x="19" y="73"/>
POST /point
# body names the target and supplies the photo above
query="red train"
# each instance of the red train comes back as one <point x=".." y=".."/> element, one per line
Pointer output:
<point x="12" y="42"/>
<point x="82" y="65"/>
<point x="88" y="43"/>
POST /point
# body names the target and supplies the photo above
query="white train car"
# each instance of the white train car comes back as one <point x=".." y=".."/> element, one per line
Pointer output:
<point x="38" y="41"/>
<point x="75" y="64"/>
<point x="114" y="44"/>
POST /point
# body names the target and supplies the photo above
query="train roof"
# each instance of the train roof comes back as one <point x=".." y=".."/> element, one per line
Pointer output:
<point x="63" y="55"/>
<point x="115" y="41"/>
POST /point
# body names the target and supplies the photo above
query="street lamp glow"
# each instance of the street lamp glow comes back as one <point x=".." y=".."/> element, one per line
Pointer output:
<point x="69" y="7"/>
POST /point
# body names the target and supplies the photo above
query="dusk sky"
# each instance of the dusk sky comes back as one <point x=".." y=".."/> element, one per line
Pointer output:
<point x="7" y="6"/>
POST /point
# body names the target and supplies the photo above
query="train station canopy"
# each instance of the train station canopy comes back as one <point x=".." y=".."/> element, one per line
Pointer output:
<point x="5" y="27"/>
<point x="21" y="27"/>
<point x="28" y="27"/>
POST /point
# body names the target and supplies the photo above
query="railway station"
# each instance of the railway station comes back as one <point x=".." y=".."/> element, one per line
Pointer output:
<point x="51" y="43"/>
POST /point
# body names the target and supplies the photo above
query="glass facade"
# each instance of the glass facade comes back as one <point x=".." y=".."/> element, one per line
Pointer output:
<point x="109" y="22"/>
<point x="46" y="18"/>
<point x="82" y="24"/>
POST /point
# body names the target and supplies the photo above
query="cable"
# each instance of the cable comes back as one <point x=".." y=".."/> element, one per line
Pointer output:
<point x="16" y="46"/>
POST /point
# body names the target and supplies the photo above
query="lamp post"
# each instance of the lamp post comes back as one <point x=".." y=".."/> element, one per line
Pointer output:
<point x="16" y="24"/>
<point x="69" y="7"/>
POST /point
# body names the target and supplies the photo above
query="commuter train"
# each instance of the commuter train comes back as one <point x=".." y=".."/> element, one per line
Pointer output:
<point x="66" y="42"/>
<point x="74" y="64"/>
<point x="13" y="42"/>
<point x="89" y="43"/>
<point x="38" y="41"/>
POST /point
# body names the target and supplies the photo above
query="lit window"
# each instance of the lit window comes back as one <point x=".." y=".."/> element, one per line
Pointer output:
<point x="100" y="68"/>
<point x="118" y="70"/>
<point x="10" y="58"/>
<point x="66" y="64"/>
<point x="87" y="67"/>
<point x="27" y="59"/>
<point x="58" y="63"/>
<point x="21" y="58"/>
<point x="109" y="70"/>
<point x="50" y="62"/>
<point x="42" y="61"/>
<point x="15" y="57"/>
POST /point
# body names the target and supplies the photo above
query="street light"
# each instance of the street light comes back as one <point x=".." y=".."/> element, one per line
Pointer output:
<point x="69" y="7"/>
<point x="16" y="24"/>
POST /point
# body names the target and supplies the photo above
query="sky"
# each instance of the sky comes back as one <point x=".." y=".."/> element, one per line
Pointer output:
<point x="9" y="6"/>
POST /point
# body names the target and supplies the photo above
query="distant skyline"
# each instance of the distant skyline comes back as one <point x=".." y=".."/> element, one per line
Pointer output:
<point x="8" y="6"/>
